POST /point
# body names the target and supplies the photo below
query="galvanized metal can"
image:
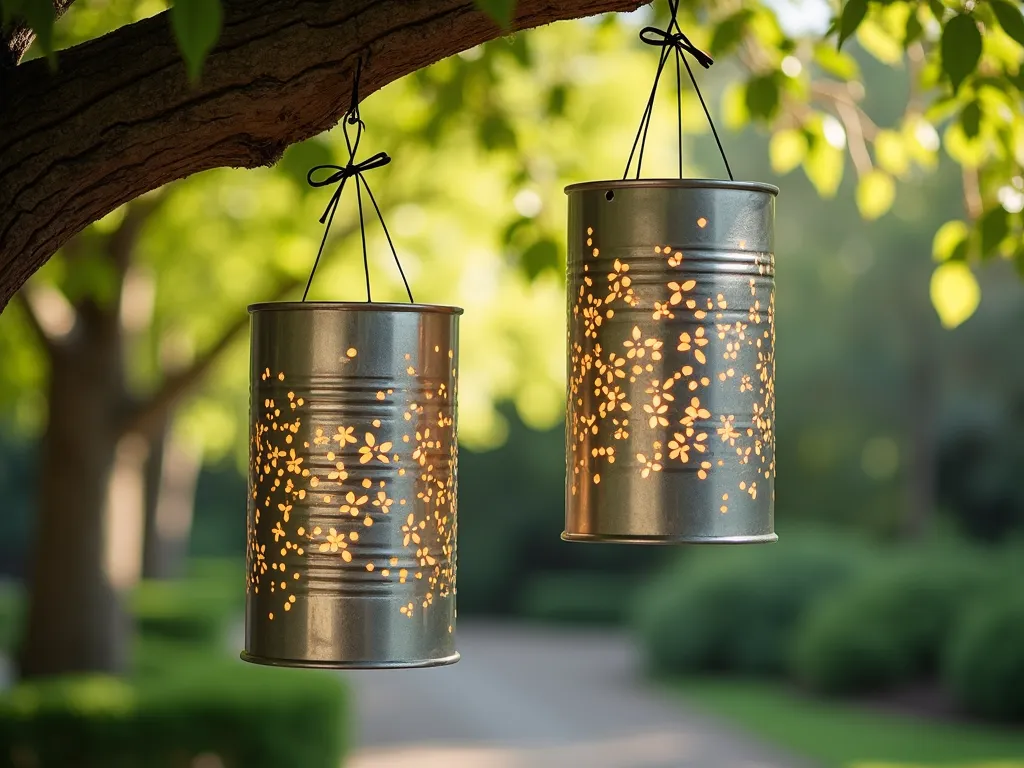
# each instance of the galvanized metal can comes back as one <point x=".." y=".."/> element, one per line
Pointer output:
<point x="352" y="511"/>
<point x="670" y="414"/>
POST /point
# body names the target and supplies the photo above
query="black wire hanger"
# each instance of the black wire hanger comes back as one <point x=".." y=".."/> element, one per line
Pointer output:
<point x="672" y="40"/>
<point x="353" y="170"/>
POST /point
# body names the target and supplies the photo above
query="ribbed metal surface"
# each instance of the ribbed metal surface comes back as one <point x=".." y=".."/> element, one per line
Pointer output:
<point x="670" y="423"/>
<point x="352" y="485"/>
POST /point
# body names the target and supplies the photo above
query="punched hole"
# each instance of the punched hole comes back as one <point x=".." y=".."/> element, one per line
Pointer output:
<point x="609" y="195"/>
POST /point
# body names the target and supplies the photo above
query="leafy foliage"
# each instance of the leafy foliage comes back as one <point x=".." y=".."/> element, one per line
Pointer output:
<point x="177" y="715"/>
<point x="196" y="25"/>
<point x="891" y="626"/>
<point x="985" y="665"/>
<point x="962" y="62"/>
<point x="500" y="10"/>
<point x="736" y="611"/>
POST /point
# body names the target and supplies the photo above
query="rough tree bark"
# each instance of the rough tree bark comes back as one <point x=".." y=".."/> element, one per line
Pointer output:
<point x="119" y="117"/>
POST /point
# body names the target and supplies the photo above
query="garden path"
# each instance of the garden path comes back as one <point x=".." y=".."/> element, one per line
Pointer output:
<point x="538" y="697"/>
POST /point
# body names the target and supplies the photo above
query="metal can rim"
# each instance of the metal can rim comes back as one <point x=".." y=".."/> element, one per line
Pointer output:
<point x="747" y="186"/>
<point x="355" y="306"/>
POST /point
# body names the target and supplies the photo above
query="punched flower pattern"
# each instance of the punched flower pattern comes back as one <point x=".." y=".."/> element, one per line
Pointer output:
<point x="323" y="496"/>
<point x="692" y="355"/>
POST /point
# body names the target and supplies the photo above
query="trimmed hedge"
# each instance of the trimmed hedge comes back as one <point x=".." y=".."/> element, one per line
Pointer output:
<point x="573" y="597"/>
<point x="985" y="663"/>
<point x="246" y="716"/>
<point x="185" y="611"/>
<point x="891" y="627"/>
<point x="736" y="610"/>
<point x="194" y="610"/>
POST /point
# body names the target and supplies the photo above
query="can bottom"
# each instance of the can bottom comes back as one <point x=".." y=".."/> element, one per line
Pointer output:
<point x="600" y="538"/>
<point x="413" y="664"/>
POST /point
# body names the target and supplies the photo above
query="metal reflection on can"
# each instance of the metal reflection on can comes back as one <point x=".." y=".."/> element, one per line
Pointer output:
<point x="352" y="510"/>
<point x="670" y="423"/>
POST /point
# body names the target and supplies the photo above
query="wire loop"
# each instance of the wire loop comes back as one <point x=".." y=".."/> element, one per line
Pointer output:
<point x="671" y="40"/>
<point x="352" y="170"/>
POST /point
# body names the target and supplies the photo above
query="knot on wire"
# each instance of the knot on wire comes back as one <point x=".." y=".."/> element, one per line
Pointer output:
<point x="673" y="44"/>
<point x="340" y="174"/>
<point x="665" y="38"/>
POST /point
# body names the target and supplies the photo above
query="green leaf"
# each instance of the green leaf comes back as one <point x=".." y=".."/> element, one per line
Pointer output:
<point x="970" y="119"/>
<point x="1010" y="19"/>
<point x="513" y="229"/>
<point x="499" y="10"/>
<point x="876" y="191"/>
<point x="938" y="9"/>
<point x="9" y="9"/>
<point x="853" y="14"/>
<point x="196" y="26"/>
<point x="787" y="149"/>
<point x="762" y="96"/>
<point x="954" y="292"/>
<point x="961" y="48"/>
<point x="950" y="242"/>
<point x="40" y="17"/>
<point x="734" y="105"/>
<point x="540" y="256"/>
<point x="556" y="99"/>
<point x="729" y="33"/>
<point x="880" y="42"/>
<point x="994" y="226"/>
<point x="914" y="29"/>
<point x="891" y="152"/>
<point x="824" y="167"/>
<point x="835" y="62"/>
<point x="497" y="133"/>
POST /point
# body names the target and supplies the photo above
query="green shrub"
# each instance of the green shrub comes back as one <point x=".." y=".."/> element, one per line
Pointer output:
<point x="190" y="610"/>
<point x="248" y="717"/>
<point x="889" y="628"/>
<point x="735" y="610"/>
<point x="573" y="597"/>
<point x="985" y="662"/>
<point x="196" y="609"/>
<point x="11" y="616"/>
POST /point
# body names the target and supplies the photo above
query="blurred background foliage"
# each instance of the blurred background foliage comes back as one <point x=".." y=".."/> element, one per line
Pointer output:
<point x="900" y="410"/>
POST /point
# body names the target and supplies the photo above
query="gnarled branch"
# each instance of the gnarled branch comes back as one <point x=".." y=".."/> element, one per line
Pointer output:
<point x="120" y="118"/>
<point x="16" y="40"/>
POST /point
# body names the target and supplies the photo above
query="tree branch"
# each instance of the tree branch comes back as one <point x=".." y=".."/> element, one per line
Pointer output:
<point x="16" y="41"/>
<point x="43" y="336"/>
<point x="120" y="117"/>
<point x="146" y="416"/>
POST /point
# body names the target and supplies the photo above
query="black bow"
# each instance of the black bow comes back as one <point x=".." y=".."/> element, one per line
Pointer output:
<point x="341" y="174"/>
<point x="667" y="39"/>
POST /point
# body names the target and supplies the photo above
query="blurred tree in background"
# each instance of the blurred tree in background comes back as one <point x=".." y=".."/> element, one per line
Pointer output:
<point x="125" y="353"/>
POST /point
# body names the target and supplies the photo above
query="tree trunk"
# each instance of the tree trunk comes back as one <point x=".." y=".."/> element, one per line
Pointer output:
<point x="75" y="619"/>
<point x="120" y="117"/>
<point x="172" y="473"/>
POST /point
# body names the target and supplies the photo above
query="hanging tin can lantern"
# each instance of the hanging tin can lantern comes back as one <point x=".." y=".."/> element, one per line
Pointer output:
<point x="671" y="365"/>
<point x="352" y="510"/>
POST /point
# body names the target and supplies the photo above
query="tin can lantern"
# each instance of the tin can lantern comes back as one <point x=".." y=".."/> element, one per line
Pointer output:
<point x="352" y="503"/>
<point x="352" y="510"/>
<point x="671" y="364"/>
